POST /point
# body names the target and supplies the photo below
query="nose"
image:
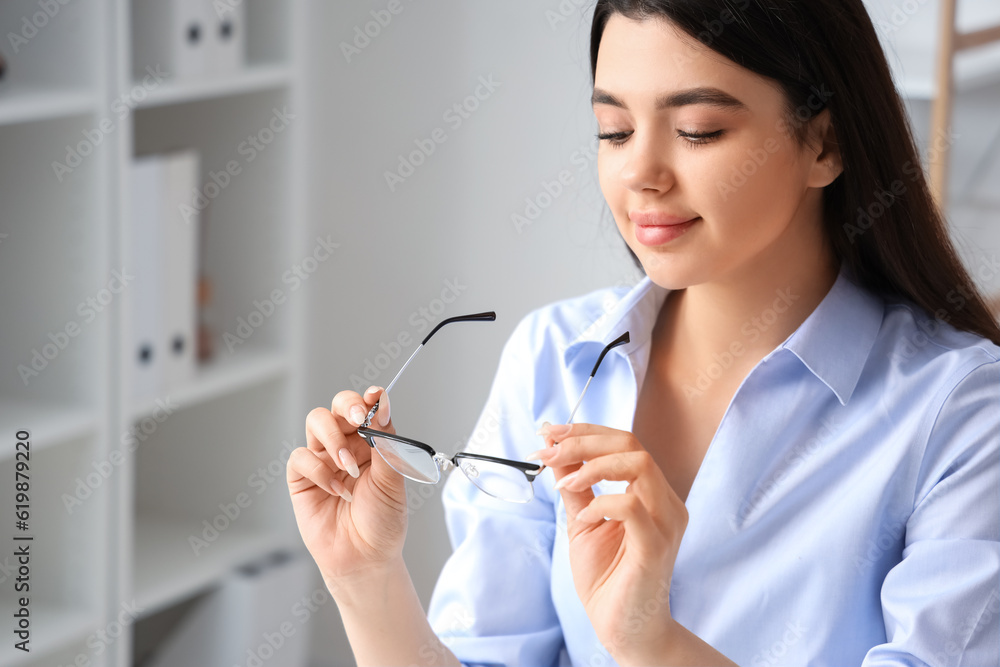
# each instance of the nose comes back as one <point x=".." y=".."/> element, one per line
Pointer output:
<point x="647" y="165"/>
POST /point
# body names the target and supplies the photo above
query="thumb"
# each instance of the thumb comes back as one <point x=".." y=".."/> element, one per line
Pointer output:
<point x="383" y="474"/>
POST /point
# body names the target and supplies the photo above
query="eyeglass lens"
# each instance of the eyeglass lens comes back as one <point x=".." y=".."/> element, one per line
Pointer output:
<point x="498" y="480"/>
<point x="408" y="460"/>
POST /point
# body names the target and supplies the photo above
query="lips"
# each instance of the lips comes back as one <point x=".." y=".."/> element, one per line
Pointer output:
<point x="654" y="228"/>
<point x="658" y="218"/>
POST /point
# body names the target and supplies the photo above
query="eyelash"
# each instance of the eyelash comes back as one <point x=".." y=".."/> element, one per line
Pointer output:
<point x="616" y="139"/>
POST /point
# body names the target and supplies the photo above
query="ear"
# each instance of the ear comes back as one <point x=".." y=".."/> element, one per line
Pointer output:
<point x="827" y="164"/>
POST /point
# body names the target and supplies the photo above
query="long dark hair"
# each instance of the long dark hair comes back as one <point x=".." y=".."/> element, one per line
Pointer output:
<point x="878" y="214"/>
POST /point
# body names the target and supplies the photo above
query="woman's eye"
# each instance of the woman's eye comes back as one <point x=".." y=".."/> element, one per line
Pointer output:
<point x="698" y="138"/>
<point x="614" y="138"/>
<point x="693" y="138"/>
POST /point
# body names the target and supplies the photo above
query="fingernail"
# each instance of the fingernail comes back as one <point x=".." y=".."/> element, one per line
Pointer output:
<point x="357" y="415"/>
<point x="383" y="410"/>
<point x="374" y="389"/>
<point x="349" y="463"/>
<point x="346" y="495"/>
<point x="540" y="455"/>
<point x="558" y="430"/>
<point x="336" y="488"/>
<point x="541" y="431"/>
<point x="566" y="480"/>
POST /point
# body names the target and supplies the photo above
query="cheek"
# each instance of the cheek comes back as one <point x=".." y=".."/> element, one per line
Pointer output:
<point x="605" y="175"/>
<point x="609" y="166"/>
<point x="751" y="179"/>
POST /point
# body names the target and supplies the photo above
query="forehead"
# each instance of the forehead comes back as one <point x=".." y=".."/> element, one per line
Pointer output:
<point x="641" y="60"/>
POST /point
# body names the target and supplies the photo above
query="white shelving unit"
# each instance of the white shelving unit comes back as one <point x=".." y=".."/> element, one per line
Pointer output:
<point x="128" y="542"/>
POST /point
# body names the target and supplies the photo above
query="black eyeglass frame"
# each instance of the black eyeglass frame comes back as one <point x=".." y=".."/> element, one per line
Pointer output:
<point x="442" y="461"/>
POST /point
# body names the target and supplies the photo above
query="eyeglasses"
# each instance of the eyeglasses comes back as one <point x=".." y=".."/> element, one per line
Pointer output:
<point x="500" y="478"/>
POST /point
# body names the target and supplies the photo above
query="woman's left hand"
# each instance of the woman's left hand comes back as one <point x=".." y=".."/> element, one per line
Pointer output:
<point x="621" y="567"/>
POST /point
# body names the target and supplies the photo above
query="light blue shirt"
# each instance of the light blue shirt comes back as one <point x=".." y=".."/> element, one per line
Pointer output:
<point x="847" y="511"/>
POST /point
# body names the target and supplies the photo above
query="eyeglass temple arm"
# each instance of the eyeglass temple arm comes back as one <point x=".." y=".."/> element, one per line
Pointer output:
<point x="488" y="316"/>
<point x="621" y="340"/>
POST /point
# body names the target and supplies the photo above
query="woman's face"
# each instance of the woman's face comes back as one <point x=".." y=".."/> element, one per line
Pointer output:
<point x="689" y="135"/>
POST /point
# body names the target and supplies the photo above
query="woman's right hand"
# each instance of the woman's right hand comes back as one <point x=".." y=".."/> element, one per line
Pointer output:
<point x="351" y="525"/>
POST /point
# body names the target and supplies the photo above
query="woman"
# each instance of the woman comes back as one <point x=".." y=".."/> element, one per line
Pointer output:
<point x="795" y="457"/>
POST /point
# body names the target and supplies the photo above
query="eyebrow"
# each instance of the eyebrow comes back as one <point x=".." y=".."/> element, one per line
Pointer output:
<point x="710" y="96"/>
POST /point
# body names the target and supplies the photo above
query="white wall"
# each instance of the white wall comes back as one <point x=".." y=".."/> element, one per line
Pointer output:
<point x="450" y="220"/>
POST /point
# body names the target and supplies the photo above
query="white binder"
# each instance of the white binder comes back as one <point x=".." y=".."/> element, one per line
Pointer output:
<point x="172" y="34"/>
<point x="227" y="38"/>
<point x="143" y="354"/>
<point x="180" y="268"/>
<point x="164" y="257"/>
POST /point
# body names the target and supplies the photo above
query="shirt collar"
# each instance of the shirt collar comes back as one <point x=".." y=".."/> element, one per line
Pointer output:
<point x="635" y="311"/>
<point x="833" y="342"/>
<point x="836" y="338"/>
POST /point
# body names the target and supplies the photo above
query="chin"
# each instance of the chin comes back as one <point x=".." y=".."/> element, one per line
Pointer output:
<point x="668" y="267"/>
<point x="664" y="270"/>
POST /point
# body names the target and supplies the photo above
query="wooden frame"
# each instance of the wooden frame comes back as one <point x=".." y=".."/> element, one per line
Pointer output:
<point x="950" y="42"/>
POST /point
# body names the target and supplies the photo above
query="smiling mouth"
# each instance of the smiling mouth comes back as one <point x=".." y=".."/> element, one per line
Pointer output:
<point x="658" y="218"/>
<point x="660" y="234"/>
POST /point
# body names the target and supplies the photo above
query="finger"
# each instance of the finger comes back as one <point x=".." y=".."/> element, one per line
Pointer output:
<point x="560" y="431"/>
<point x="348" y="462"/>
<point x="573" y="501"/>
<point x="382" y="473"/>
<point x="583" y="444"/>
<point x="640" y="528"/>
<point x="645" y="479"/>
<point x="351" y="408"/>
<point x="323" y="432"/>
<point x="354" y="408"/>
<point x="383" y="416"/>
<point x="619" y="466"/>
<point x="306" y="470"/>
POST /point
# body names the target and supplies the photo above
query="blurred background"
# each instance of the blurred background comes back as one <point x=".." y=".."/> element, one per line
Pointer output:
<point x="215" y="215"/>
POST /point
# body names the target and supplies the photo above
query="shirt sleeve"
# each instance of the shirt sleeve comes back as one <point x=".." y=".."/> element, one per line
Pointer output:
<point x="492" y="604"/>
<point x="941" y="602"/>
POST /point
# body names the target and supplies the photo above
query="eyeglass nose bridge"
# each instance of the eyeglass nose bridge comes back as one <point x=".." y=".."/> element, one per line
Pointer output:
<point x="444" y="463"/>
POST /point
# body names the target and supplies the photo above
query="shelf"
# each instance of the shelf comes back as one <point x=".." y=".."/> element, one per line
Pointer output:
<point x="166" y="567"/>
<point x="74" y="111"/>
<point x="48" y="426"/>
<point x="220" y="378"/>
<point x="254" y="79"/>
<point x="53" y="627"/>
<point x="22" y="104"/>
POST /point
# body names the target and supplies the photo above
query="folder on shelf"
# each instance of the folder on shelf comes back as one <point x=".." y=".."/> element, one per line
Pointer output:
<point x="180" y="262"/>
<point x="144" y="358"/>
<point x="255" y="616"/>
<point x="227" y="38"/>
<point x="163" y="256"/>
<point x="172" y="34"/>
